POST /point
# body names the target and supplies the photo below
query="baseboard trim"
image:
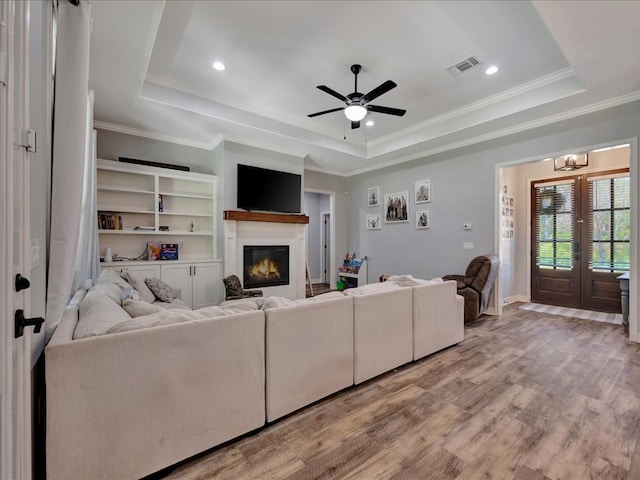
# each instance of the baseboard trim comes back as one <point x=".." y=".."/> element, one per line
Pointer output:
<point x="515" y="298"/>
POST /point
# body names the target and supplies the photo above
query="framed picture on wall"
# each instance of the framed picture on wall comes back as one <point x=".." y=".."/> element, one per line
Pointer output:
<point x="422" y="219"/>
<point x="396" y="207"/>
<point x="373" y="222"/>
<point x="423" y="191"/>
<point x="373" y="196"/>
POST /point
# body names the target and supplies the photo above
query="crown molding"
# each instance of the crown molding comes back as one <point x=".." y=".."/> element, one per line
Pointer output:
<point x="227" y="137"/>
<point x="112" y="127"/>
<point x="479" y="105"/>
<point x="577" y="112"/>
<point x="287" y="119"/>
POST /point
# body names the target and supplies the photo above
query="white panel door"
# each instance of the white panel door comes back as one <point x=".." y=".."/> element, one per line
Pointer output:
<point x="179" y="276"/>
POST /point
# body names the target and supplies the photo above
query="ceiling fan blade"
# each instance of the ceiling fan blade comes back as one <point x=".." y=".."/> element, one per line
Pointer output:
<point x="328" y="90"/>
<point x="388" y="110"/>
<point x="355" y="125"/>
<point x="326" y="111"/>
<point x="379" y="90"/>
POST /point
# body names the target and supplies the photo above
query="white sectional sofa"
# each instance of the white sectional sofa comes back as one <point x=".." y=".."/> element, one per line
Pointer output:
<point x="125" y="405"/>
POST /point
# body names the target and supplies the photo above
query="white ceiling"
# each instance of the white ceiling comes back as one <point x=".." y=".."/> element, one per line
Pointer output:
<point x="151" y="69"/>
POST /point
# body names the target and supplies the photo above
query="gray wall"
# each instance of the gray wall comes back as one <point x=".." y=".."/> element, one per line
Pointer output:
<point x="464" y="188"/>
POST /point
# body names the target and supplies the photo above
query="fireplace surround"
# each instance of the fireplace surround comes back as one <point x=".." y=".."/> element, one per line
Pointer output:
<point x="267" y="229"/>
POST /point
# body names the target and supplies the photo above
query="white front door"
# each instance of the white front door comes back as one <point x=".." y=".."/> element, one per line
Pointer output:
<point x="15" y="359"/>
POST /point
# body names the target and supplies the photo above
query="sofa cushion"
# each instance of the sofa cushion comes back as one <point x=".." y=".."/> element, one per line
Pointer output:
<point x="109" y="276"/>
<point x="138" y="308"/>
<point x="109" y="289"/>
<point x="373" y="288"/>
<point x="136" y="280"/>
<point x="175" y="303"/>
<point x="276" y="302"/>
<point x="169" y="317"/>
<point x="98" y="313"/>
<point x="258" y="301"/>
<point x="162" y="290"/>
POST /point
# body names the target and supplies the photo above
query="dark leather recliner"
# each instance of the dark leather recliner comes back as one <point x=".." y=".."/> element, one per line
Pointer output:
<point x="476" y="284"/>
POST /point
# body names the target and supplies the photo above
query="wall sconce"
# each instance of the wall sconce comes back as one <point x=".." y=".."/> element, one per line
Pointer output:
<point x="570" y="162"/>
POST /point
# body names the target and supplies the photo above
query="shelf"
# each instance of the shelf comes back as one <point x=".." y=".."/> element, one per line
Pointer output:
<point x="154" y="232"/>
<point x="114" y="209"/>
<point x="132" y="191"/>
<point x="186" y="195"/>
<point x="109" y="188"/>
<point x="186" y="214"/>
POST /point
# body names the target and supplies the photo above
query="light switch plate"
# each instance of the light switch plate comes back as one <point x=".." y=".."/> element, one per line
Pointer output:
<point x="468" y="226"/>
<point x="467" y="246"/>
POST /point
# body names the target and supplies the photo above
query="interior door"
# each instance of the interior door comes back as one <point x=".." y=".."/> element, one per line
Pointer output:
<point x="15" y="361"/>
<point x="581" y="240"/>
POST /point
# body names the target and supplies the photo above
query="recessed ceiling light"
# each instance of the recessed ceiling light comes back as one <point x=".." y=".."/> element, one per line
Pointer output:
<point x="370" y="123"/>
<point x="219" y="66"/>
<point x="491" y="70"/>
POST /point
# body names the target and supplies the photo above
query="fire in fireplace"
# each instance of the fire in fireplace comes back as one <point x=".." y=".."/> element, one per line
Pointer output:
<point x="266" y="266"/>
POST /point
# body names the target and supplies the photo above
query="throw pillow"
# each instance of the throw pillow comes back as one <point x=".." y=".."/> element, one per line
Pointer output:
<point x="162" y="290"/>
<point x="109" y="276"/>
<point x="136" y="308"/>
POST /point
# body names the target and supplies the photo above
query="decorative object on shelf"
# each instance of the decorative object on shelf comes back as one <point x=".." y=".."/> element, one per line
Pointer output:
<point x="191" y="227"/>
<point x="373" y="196"/>
<point x="169" y="251"/>
<point x="373" y="222"/>
<point x="397" y="207"/>
<point x="108" y="255"/>
<point x="145" y="228"/>
<point x="163" y="228"/>
<point x="423" y="219"/>
<point x="154" y="250"/>
<point x="160" y="205"/>
<point x="149" y="163"/>
<point x="423" y="191"/>
<point x="341" y="285"/>
<point x="570" y="162"/>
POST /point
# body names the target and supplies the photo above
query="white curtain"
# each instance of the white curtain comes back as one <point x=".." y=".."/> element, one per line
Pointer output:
<point x="69" y="154"/>
<point x="86" y="262"/>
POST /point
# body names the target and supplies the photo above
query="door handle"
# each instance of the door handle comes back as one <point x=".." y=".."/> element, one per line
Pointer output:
<point x="21" y="283"/>
<point x="22" y="322"/>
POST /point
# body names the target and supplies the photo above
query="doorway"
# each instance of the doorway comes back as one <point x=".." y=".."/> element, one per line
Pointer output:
<point x="319" y="206"/>
<point x="580" y="239"/>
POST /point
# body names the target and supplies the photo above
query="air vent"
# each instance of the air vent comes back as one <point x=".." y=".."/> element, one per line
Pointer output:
<point x="464" y="65"/>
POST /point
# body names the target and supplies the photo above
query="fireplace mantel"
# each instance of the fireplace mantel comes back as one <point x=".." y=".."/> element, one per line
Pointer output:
<point x="265" y="217"/>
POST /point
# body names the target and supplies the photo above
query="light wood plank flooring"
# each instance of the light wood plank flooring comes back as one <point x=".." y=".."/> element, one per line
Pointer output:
<point x="525" y="396"/>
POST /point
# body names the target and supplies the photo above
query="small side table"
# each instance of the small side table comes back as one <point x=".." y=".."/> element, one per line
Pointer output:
<point x="624" y="297"/>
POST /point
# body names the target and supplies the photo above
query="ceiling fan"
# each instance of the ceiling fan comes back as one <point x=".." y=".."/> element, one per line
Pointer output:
<point x="357" y="104"/>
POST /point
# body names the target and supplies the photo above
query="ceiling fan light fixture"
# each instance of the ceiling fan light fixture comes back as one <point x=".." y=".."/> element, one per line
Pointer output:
<point x="355" y="113"/>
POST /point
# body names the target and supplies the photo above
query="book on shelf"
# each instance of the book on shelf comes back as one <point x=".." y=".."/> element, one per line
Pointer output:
<point x="109" y="221"/>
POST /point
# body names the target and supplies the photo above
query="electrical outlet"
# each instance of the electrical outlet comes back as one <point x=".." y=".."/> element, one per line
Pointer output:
<point x="468" y="226"/>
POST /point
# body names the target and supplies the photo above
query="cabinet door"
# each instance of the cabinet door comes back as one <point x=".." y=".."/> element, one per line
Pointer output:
<point x="149" y="271"/>
<point x="179" y="276"/>
<point x="206" y="285"/>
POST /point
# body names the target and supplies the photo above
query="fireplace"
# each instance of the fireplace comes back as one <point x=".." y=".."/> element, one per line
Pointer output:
<point x="265" y="266"/>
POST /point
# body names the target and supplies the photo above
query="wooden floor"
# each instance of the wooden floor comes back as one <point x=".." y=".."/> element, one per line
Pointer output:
<point x="525" y="396"/>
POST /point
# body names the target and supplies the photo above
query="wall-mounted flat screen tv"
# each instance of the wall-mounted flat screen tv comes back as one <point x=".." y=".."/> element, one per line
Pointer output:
<point x="268" y="190"/>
